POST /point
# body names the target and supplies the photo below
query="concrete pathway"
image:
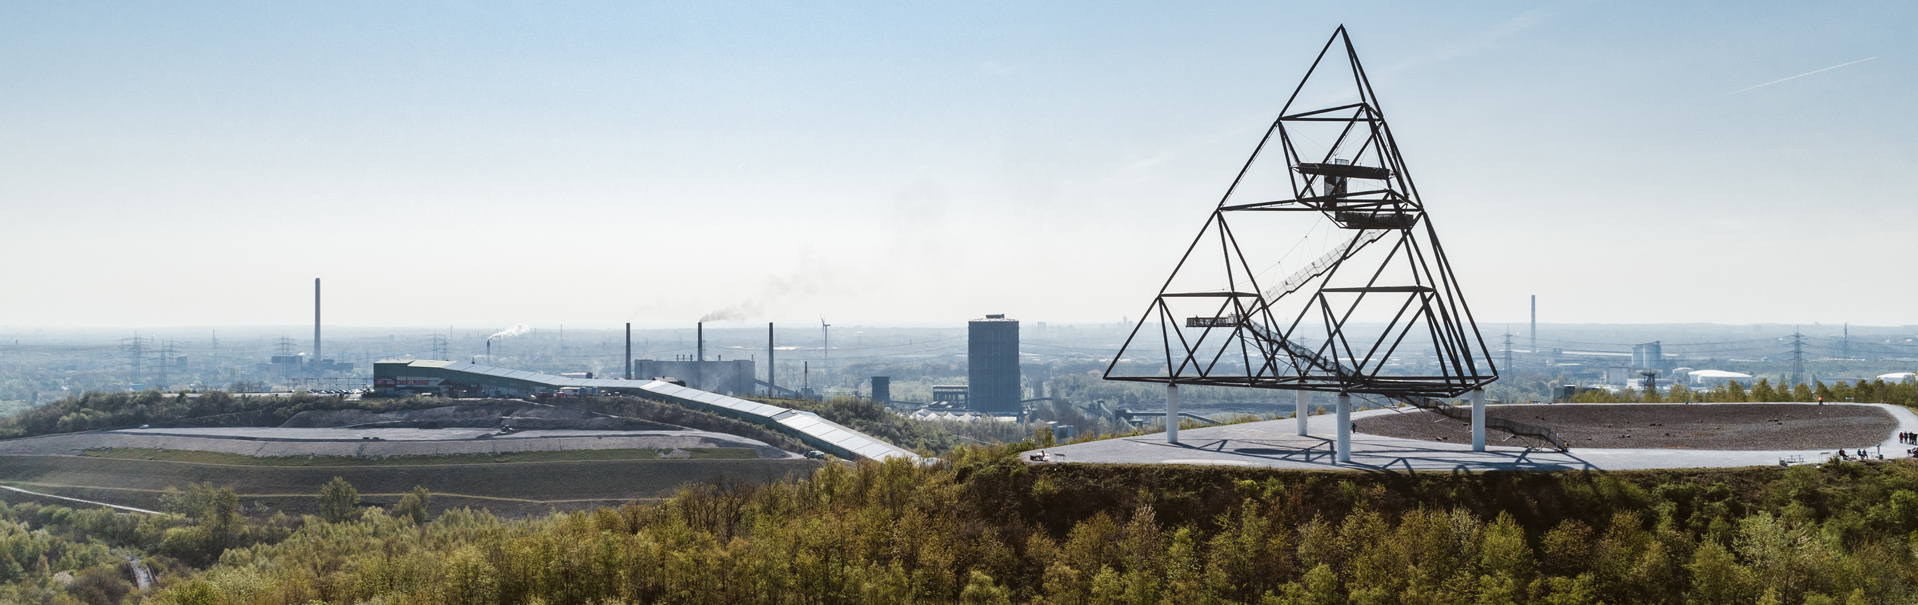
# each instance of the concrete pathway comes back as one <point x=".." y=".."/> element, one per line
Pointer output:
<point x="125" y="508"/>
<point x="1275" y="444"/>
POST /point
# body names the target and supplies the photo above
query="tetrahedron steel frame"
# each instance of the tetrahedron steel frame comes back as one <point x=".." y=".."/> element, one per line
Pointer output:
<point x="1297" y="335"/>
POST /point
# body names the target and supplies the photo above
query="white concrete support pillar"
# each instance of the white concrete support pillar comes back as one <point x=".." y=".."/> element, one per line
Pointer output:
<point x="1305" y="401"/>
<point x="1345" y="428"/>
<point x="1478" y="420"/>
<point x="1171" y="413"/>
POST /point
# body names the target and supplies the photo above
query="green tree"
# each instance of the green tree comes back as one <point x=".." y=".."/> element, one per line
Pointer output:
<point x="981" y="590"/>
<point x="413" y="505"/>
<point x="1567" y="548"/>
<point x="1734" y="391"/>
<point x="1042" y="434"/>
<point x="1717" y="578"/>
<point x="1320" y="586"/>
<point x="1503" y="552"/>
<point x="1651" y="396"/>
<point x="215" y="508"/>
<point x="339" y="502"/>
<point x="1679" y="392"/>
<point x="99" y="586"/>
<point x="1904" y="508"/>
<point x="1579" y="590"/>
<point x="468" y="579"/>
<point x="196" y="592"/>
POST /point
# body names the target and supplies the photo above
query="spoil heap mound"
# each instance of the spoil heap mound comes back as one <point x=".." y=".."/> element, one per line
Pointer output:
<point x="1726" y="426"/>
<point x="524" y="416"/>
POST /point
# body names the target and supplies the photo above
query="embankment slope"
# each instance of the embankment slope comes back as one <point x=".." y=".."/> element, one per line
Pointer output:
<point x="507" y="489"/>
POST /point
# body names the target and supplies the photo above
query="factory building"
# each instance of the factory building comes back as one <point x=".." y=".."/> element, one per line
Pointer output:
<point x="1649" y="356"/>
<point x="1708" y="379"/>
<point x="950" y="395"/>
<point x="724" y="377"/>
<point x="292" y="365"/>
<point x="992" y="365"/>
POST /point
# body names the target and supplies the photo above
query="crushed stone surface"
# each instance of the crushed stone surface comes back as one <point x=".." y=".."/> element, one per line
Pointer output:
<point x="1728" y="426"/>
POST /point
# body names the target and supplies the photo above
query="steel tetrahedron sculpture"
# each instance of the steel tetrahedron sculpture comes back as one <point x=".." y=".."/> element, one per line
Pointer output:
<point x="1365" y="302"/>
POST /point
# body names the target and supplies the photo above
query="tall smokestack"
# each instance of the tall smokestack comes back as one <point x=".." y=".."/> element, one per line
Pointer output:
<point x="629" y="350"/>
<point x="699" y="334"/>
<point x="770" y="380"/>
<point x="316" y="320"/>
<point x="1535" y="325"/>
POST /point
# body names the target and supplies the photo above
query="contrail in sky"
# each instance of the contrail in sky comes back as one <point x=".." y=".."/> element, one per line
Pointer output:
<point x="1802" y="75"/>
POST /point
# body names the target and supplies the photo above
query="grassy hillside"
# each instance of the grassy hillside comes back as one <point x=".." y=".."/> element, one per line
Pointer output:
<point x="508" y="488"/>
<point x="92" y="411"/>
<point x="135" y="453"/>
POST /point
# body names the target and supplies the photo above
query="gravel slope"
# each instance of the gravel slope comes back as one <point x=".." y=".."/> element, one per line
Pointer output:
<point x="1727" y="426"/>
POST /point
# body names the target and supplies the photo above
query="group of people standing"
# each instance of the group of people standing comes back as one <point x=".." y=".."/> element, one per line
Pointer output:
<point x="1905" y="437"/>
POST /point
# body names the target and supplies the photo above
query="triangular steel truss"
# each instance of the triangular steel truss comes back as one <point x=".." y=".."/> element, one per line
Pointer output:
<point x="1415" y="338"/>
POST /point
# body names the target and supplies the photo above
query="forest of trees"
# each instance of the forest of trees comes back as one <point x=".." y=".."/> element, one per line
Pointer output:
<point x="981" y="527"/>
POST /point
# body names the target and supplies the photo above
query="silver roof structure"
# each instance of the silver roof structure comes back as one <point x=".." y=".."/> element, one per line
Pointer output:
<point x="807" y="427"/>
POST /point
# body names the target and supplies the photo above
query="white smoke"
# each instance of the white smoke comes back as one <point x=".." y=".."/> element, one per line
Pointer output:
<point x="516" y="330"/>
<point x="774" y="294"/>
<point x="745" y="310"/>
<point x="805" y="282"/>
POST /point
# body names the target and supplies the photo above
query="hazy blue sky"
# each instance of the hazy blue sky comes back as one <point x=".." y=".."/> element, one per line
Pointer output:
<point x="171" y="164"/>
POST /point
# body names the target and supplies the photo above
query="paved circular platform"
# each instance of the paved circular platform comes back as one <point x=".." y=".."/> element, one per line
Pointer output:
<point x="1276" y="444"/>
